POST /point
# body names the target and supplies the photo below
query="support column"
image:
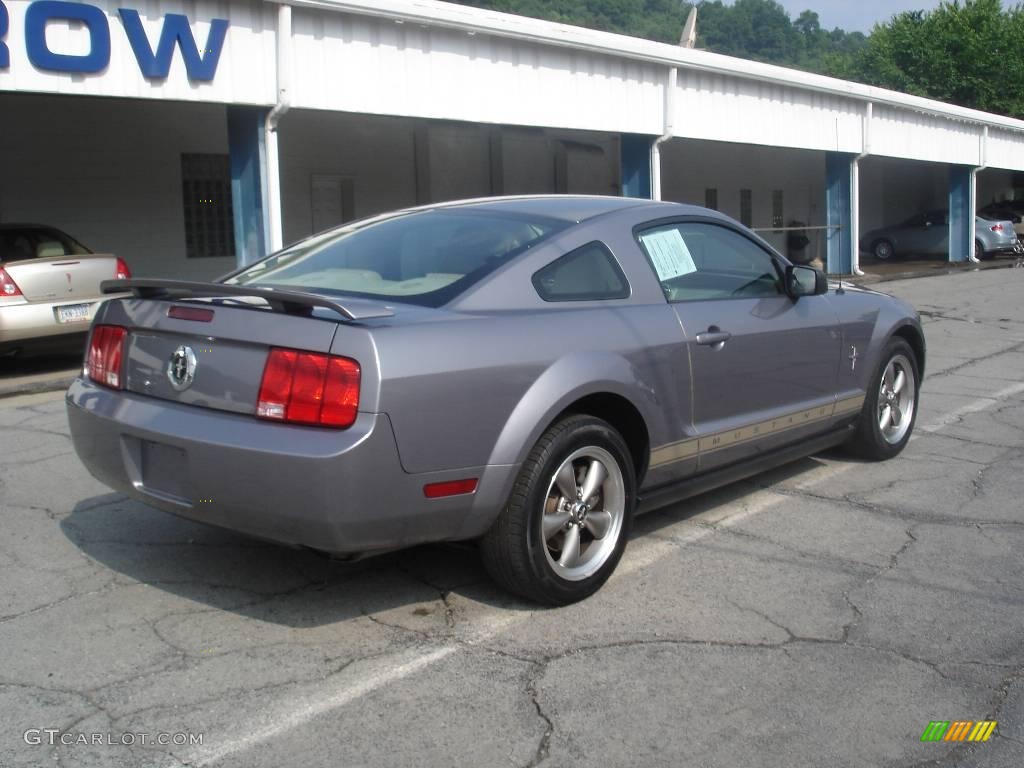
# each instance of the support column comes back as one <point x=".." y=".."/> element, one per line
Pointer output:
<point x="961" y="212"/>
<point x="635" y="159"/>
<point x="248" y="183"/>
<point x="496" y="152"/>
<point x="421" y="159"/>
<point x="839" y="198"/>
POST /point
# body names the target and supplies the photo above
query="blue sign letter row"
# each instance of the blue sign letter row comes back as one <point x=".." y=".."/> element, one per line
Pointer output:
<point x="176" y="32"/>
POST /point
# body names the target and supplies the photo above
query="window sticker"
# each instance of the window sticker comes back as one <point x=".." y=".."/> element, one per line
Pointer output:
<point x="669" y="254"/>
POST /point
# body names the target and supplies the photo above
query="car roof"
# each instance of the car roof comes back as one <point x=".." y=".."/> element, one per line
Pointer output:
<point x="569" y="208"/>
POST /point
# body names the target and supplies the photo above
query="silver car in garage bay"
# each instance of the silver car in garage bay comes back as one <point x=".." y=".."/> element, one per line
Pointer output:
<point x="526" y="372"/>
<point x="928" y="234"/>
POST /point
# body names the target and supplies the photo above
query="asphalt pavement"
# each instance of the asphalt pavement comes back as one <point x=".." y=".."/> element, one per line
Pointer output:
<point x="819" y="615"/>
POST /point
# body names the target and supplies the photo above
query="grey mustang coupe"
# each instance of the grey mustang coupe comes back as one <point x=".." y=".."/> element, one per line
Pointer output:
<point x="527" y="372"/>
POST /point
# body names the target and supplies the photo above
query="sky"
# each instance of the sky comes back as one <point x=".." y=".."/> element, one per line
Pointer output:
<point x="857" y="15"/>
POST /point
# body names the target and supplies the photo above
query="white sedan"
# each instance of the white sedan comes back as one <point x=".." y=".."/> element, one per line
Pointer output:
<point x="49" y="286"/>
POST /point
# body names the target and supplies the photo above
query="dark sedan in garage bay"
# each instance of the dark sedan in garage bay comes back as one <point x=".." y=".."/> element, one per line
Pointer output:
<point x="526" y="372"/>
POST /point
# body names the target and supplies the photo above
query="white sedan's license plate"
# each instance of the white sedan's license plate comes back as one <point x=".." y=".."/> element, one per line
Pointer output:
<point x="73" y="313"/>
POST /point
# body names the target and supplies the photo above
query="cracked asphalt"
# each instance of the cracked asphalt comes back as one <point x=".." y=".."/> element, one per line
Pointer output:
<point x="818" y="615"/>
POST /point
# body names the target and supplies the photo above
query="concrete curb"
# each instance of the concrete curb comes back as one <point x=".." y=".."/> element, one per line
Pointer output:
<point x="55" y="384"/>
<point x="869" y="279"/>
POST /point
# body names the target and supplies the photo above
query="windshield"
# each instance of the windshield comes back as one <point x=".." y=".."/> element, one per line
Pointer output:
<point x="426" y="258"/>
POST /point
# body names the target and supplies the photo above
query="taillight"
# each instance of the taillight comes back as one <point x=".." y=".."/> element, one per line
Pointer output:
<point x="106" y="353"/>
<point x="996" y="227"/>
<point x="7" y="285"/>
<point x="309" y="388"/>
<point x="122" y="273"/>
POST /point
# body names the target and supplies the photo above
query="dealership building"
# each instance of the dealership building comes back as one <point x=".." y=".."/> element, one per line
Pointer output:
<point x="188" y="136"/>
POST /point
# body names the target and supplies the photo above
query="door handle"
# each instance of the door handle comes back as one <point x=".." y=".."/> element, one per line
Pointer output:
<point x="713" y="337"/>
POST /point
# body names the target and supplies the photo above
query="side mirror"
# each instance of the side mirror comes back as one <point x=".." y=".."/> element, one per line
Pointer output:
<point x="805" y="281"/>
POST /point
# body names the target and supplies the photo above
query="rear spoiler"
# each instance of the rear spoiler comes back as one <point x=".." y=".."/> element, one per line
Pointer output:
<point x="290" y="302"/>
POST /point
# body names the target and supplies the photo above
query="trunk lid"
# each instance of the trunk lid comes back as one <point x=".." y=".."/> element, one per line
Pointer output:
<point x="62" y="278"/>
<point x="229" y="347"/>
<point x="1007" y="236"/>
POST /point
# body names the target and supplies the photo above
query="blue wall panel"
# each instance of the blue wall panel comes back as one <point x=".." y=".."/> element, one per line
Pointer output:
<point x="839" y="243"/>
<point x="245" y="143"/>
<point x="636" y="165"/>
<point x="961" y="212"/>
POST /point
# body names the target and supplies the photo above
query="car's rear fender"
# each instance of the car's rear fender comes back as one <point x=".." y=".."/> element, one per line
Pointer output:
<point x="568" y="380"/>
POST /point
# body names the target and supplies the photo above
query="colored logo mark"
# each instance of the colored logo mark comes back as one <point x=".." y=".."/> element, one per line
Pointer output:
<point x="958" y="730"/>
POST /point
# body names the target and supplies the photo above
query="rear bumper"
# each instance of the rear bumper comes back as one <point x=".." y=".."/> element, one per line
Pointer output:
<point x="1004" y="247"/>
<point x="35" y="320"/>
<point x="339" y="491"/>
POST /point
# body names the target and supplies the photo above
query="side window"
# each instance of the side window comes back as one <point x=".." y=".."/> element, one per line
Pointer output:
<point x="590" y="273"/>
<point x="700" y="262"/>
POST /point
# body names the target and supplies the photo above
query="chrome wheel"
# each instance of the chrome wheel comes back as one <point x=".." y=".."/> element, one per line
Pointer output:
<point x="897" y="395"/>
<point x="584" y="508"/>
<point x="883" y="250"/>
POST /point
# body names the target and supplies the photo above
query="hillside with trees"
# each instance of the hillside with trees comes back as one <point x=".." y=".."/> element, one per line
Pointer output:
<point x="967" y="52"/>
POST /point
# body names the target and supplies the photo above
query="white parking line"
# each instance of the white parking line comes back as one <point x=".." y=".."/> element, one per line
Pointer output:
<point x="644" y="552"/>
<point x="291" y="714"/>
<point x="978" y="405"/>
<point x="654" y="549"/>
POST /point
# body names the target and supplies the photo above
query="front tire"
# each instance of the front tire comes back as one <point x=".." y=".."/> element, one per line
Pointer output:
<point x="566" y="523"/>
<point x="890" y="408"/>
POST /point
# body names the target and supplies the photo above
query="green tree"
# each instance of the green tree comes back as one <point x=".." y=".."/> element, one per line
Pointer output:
<point x="969" y="53"/>
<point x="754" y="29"/>
<point x="659" y="20"/>
<point x="750" y="29"/>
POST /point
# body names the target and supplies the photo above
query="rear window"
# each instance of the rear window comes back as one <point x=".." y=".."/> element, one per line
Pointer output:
<point x="426" y="258"/>
<point x="37" y="243"/>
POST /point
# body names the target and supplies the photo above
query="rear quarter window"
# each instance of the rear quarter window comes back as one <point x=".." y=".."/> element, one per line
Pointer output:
<point x="589" y="273"/>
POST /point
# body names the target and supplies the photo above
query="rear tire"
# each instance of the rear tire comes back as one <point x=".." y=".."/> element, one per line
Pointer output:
<point x="979" y="251"/>
<point x="550" y="544"/>
<point x="883" y="250"/>
<point x="890" y="408"/>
